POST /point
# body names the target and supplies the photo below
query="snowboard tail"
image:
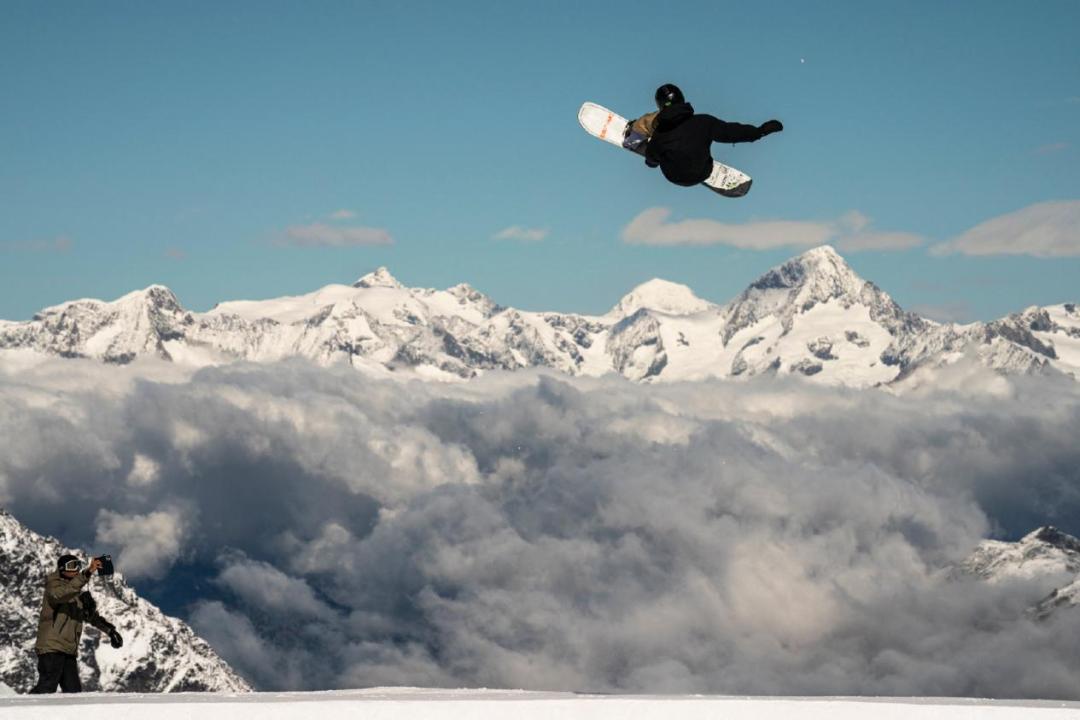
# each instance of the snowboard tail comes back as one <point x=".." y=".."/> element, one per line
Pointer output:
<point x="613" y="128"/>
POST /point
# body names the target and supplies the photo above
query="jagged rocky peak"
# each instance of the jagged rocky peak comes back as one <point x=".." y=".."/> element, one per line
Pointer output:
<point x="817" y="276"/>
<point x="467" y="294"/>
<point x="160" y="295"/>
<point x="1044" y="551"/>
<point x="1046" y="560"/>
<point x="378" y="278"/>
<point x="155" y="297"/>
<point x="662" y="296"/>
<point x="821" y="270"/>
<point x="1054" y="537"/>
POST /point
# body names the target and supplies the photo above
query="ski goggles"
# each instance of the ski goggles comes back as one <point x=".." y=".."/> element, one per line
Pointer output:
<point x="72" y="566"/>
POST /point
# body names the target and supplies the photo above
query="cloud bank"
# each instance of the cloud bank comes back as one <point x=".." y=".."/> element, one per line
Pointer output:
<point x="148" y="544"/>
<point x="535" y="531"/>
<point x="322" y="235"/>
<point x="59" y="245"/>
<point x="850" y="233"/>
<point x="1045" y="230"/>
<point x="524" y="234"/>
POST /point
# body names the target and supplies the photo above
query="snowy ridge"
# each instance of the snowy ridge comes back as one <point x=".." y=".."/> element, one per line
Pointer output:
<point x="1046" y="559"/>
<point x="160" y="653"/>
<point x="812" y="316"/>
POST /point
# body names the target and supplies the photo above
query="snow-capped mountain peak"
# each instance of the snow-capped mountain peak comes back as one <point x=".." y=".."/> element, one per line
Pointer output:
<point x="468" y="295"/>
<point x="154" y="297"/>
<point x="1047" y="560"/>
<point x="1045" y="551"/>
<point x="661" y="296"/>
<point x="816" y="276"/>
<point x="1051" y="536"/>
<point x="378" y="278"/>
<point x="814" y="315"/>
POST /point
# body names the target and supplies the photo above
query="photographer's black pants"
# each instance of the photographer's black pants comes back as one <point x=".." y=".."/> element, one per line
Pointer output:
<point x="57" y="669"/>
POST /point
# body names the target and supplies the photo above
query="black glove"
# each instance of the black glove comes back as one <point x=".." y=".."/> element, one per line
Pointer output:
<point x="114" y="639"/>
<point x="769" y="127"/>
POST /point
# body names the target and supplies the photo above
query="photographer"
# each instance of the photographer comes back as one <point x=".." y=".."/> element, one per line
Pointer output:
<point x="64" y="609"/>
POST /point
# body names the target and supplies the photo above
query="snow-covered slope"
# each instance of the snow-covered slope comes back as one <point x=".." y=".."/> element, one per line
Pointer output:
<point x="662" y="296"/>
<point x="415" y="703"/>
<point x="812" y="316"/>
<point x="1047" y="560"/>
<point x="160" y="653"/>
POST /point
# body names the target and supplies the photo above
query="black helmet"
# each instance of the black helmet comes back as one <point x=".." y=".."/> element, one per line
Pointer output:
<point x="69" y="563"/>
<point x="668" y="95"/>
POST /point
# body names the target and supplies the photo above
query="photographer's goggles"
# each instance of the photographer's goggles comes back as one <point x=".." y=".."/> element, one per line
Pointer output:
<point x="72" y="566"/>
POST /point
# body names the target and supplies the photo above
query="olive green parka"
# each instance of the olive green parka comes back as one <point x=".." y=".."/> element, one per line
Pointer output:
<point x="63" y="614"/>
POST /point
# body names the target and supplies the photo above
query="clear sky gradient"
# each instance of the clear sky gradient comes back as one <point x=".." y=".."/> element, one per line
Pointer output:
<point x="211" y="147"/>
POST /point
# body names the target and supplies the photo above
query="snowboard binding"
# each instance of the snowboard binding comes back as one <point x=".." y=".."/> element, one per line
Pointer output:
<point x="632" y="140"/>
<point x="636" y="134"/>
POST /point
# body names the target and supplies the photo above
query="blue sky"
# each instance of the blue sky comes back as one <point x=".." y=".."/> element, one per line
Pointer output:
<point x="196" y="144"/>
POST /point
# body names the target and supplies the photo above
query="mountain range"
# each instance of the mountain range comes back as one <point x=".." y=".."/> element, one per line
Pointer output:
<point x="812" y="316"/>
<point x="159" y="654"/>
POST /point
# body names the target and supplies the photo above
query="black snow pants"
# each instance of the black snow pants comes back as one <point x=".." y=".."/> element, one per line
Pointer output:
<point x="54" y="669"/>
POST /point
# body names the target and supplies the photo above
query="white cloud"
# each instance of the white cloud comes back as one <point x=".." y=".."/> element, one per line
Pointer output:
<point x="321" y="235"/>
<point x="58" y="244"/>
<point x="850" y="233"/>
<point x="516" y="232"/>
<point x="947" y="313"/>
<point x="343" y="214"/>
<point x="148" y="544"/>
<point x="261" y="585"/>
<point x="144" y="471"/>
<point x="1045" y="230"/>
<point x="854" y="234"/>
<point x="1051" y="148"/>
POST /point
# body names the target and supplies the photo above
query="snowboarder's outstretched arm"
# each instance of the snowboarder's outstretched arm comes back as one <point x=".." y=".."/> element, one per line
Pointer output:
<point x="729" y="132"/>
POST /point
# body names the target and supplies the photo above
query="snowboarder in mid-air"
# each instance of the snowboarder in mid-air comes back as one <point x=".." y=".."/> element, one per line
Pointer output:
<point x="678" y="141"/>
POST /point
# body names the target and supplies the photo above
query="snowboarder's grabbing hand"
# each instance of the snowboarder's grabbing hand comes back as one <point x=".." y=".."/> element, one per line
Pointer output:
<point x="679" y="141"/>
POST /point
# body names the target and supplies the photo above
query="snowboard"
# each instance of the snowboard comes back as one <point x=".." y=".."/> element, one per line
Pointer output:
<point x="609" y="126"/>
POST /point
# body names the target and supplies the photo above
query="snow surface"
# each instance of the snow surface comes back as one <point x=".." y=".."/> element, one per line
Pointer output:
<point x="417" y="703"/>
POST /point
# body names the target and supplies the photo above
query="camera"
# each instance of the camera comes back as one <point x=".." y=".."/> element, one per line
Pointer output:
<point x="106" y="565"/>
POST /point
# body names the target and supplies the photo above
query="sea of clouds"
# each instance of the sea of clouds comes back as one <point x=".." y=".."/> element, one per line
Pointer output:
<point x="531" y="530"/>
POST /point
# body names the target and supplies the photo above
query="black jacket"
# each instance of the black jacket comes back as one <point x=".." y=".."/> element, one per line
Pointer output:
<point x="680" y="145"/>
